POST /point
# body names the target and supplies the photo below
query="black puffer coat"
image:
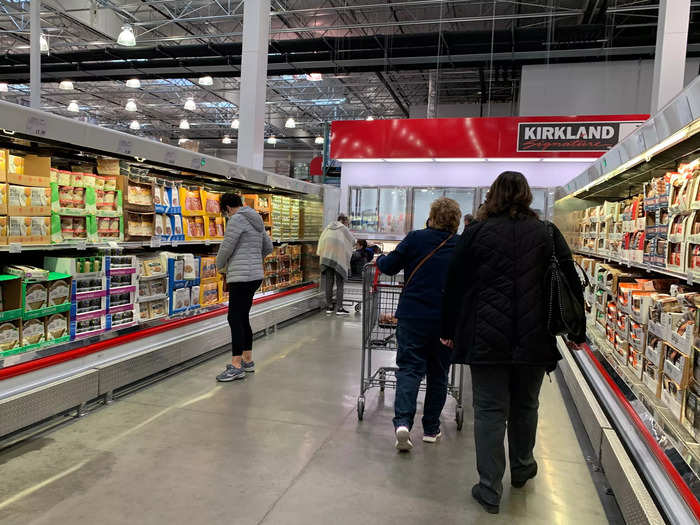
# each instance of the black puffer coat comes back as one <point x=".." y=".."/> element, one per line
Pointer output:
<point x="494" y="304"/>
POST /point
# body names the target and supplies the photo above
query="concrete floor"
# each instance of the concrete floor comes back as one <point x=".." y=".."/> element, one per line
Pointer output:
<point x="282" y="447"/>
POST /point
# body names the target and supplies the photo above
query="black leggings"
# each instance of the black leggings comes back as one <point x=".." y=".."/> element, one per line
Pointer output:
<point x="240" y="300"/>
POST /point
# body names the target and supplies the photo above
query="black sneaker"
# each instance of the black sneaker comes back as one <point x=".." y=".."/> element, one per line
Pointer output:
<point x="342" y="311"/>
<point x="476" y="494"/>
<point x="520" y="483"/>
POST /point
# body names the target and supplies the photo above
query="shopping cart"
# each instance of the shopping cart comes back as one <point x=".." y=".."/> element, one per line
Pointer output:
<point x="352" y="293"/>
<point x="380" y="298"/>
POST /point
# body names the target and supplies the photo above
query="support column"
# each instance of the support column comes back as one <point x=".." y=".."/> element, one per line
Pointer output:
<point x="432" y="93"/>
<point x="671" y="47"/>
<point x="256" y="34"/>
<point x="35" y="54"/>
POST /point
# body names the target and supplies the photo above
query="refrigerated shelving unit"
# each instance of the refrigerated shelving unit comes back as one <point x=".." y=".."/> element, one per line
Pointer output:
<point x="650" y="458"/>
<point x="36" y="386"/>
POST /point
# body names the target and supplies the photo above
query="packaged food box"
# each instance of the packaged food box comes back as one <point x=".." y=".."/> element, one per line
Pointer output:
<point x="212" y="204"/>
<point x="3" y="198"/>
<point x="31" y="171"/>
<point x="29" y="230"/>
<point x="57" y="326"/>
<point x="122" y="319"/>
<point x="9" y="335"/>
<point x="3" y="164"/>
<point x="36" y="296"/>
<point x="3" y="230"/>
<point x="33" y="331"/>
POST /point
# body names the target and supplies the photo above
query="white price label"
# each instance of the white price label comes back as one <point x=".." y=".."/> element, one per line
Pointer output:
<point x="36" y="126"/>
<point x="15" y="247"/>
<point x="689" y="278"/>
<point x="196" y="163"/>
<point x="81" y="246"/>
<point x="175" y="244"/>
<point x="114" y="245"/>
<point x="170" y="157"/>
<point x="231" y="172"/>
<point x="125" y="146"/>
<point x="207" y="242"/>
<point x="155" y="242"/>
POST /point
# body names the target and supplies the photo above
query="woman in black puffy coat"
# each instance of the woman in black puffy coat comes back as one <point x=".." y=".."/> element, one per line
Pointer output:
<point x="495" y="318"/>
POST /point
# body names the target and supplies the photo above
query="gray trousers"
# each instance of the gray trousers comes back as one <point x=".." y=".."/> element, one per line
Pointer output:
<point x="329" y="276"/>
<point x="505" y="396"/>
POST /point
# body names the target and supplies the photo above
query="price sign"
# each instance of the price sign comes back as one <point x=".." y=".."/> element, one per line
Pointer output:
<point x="231" y="172"/>
<point x="197" y="163"/>
<point x="36" y="126"/>
<point x="170" y="157"/>
<point x="155" y="242"/>
<point x="81" y="246"/>
<point x="689" y="278"/>
<point x="114" y="245"/>
<point x="15" y="247"/>
<point x="207" y="242"/>
<point x="125" y="146"/>
<point x="175" y="244"/>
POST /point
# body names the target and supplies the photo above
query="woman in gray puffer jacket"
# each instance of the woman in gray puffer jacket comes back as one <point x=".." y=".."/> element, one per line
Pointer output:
<point x="240" y="259"/>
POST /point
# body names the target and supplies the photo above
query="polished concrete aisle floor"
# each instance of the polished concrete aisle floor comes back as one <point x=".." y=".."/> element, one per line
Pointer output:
<point x="283" y="447"/>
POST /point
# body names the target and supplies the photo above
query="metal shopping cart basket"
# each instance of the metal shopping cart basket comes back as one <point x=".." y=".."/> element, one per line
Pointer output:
<point x="380" y="298"/>
<point x="352" y="293"/>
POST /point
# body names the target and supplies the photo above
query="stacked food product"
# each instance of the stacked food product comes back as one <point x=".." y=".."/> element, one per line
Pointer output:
<point x="152" y="288"/>
<point x="659" y="228"/>
<point x="647" y="327"/>
<point x="311" y="219"/>
<point x="26" y="195"/>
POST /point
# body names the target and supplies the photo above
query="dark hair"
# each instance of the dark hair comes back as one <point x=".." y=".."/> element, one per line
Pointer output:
<point x="468" y="218"/>
<point x="362" y="243"/>
<point x="509" y="194"/>
<point x="342" y="218"/>
<point x="232" y="200"/>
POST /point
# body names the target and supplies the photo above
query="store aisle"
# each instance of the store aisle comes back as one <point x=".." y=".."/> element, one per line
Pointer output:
<point x="283" y="447"/>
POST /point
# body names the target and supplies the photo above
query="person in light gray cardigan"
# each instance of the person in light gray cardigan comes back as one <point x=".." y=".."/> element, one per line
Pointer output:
<point x="240" y="259"/>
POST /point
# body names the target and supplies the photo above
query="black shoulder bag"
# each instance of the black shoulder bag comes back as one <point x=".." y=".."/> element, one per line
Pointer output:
<point x="566" y="315"/>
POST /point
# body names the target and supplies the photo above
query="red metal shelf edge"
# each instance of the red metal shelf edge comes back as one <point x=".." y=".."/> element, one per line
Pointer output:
<point x="678" y="481"/>
<point x="37" y="364"/>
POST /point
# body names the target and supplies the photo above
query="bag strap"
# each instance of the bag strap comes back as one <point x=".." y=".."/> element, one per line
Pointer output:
<point x="555" y="258"/>
<point x="425" y="259"/>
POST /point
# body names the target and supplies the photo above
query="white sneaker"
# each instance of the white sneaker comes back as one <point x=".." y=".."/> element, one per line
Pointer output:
<point x="403" y="439"/>
<point x="432" y="438"/>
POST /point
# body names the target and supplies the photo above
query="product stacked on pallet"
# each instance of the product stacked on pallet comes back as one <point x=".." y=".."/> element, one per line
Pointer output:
<point x="647" y="328"/>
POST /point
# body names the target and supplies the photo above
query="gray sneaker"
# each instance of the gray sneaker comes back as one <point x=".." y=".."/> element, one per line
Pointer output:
<point x="230" y="374"/>
<point x="248" y="367"/>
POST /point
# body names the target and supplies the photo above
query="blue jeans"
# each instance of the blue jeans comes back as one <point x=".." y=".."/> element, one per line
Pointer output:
<point x="420" y="354"/>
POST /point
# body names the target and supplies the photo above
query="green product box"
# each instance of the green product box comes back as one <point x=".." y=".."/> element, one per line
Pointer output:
<point x="40" y="305"/>
<point x="101" y="234"/>
<point x="104" y="211"/>
<point x="58" y="235"/>
<point x="90" y="202"/>
<point x="11" y="299"/>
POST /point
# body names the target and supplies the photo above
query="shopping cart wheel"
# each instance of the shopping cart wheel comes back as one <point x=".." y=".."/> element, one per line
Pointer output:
<point x="360" y="407"/>
<point x="358" y="307"/>
<point x="382" y="381"/>
<point x="459" y="417"/>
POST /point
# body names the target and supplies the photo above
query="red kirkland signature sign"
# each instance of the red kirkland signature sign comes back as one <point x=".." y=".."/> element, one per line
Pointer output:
<point x="568" y="136"/>
<point x="562" y="137"/>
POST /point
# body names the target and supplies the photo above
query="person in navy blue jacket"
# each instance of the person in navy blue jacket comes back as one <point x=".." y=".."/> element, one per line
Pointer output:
<point x="424" y="257"/>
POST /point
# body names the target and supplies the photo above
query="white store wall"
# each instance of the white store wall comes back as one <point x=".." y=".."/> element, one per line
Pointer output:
<point x="597" y="88"/>
<point x="451" y="174"/>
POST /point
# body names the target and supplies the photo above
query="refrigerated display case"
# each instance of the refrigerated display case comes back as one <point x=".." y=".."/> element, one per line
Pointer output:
<point x="630" y="221"/>
<point x="128" y="293"/>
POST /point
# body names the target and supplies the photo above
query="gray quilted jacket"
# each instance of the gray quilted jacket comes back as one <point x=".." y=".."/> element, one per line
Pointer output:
<point x="244" y="247"/>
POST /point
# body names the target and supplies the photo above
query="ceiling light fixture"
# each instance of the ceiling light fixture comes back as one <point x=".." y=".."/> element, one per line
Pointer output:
<point x="135" y="125"/>
<point x="184" y="124"/>
<point x="4" y="88"/>
<point x="235" y="123"/>
<point x="206" y="81"/>
<point x="290" y="124"/>
<point x="66" y="85"/>
<point x="43" y="43"/>
<point x="133" y="83"/>
<point x="189" y="104"/>
<point x="73" y="106"/>
<point x="131" y="105"/>
<point x="126" y="37"/>
<point x="314" y="77"/>
<point x="272" y="140"/>
<point x="319" y="140"/>
<point x="226" y="139"/>
<point x="370" y="117"/>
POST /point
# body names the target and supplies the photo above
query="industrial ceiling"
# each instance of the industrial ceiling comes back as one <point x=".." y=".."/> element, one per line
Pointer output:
<point x="376" y="58"/>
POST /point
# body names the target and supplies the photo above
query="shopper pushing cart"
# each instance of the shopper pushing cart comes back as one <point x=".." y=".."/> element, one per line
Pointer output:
<point x="335" y="249"/>
<point x="423" y="256"/>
